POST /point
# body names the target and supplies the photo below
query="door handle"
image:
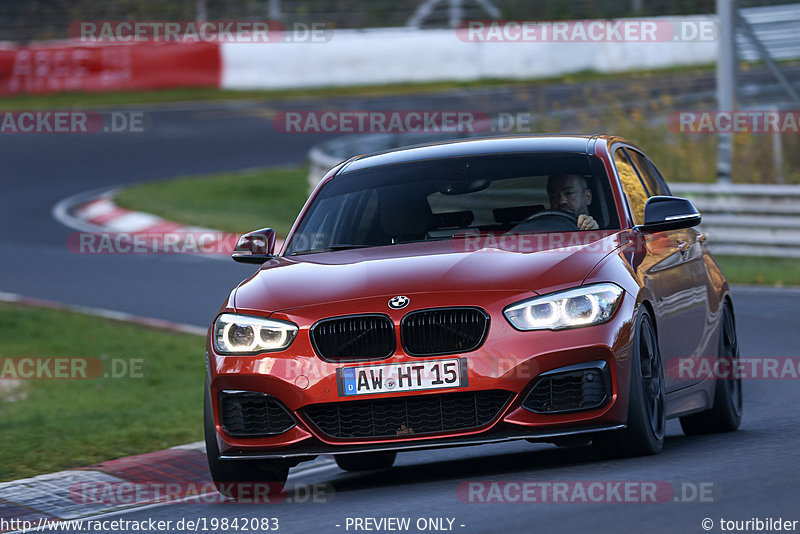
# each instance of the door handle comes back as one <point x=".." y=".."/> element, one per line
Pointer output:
<point x="683" y="246"/>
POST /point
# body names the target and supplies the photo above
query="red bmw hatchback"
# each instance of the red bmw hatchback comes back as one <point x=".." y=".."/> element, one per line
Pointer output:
<point x="542" y="288"/>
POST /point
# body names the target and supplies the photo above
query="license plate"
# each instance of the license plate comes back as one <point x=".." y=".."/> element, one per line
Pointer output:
<point x="406" y="376"/>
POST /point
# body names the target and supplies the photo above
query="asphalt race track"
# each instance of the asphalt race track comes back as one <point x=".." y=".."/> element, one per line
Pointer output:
<point x="751" y="473"/>
<point x="39" y="170"/>
<point x="745" y="474"/>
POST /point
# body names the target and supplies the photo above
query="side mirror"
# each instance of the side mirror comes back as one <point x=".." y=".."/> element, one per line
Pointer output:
<point x="255" y="247"/>
<point x="669" y="213"/>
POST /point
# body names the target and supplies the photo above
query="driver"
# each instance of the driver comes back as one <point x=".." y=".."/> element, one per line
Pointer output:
<point x="571" y="193"/>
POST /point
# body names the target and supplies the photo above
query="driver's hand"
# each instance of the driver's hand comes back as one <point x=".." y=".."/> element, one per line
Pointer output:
<point x="587" y="222"/>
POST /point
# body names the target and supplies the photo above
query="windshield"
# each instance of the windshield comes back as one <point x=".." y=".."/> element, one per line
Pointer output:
<point x="443" y="198"/>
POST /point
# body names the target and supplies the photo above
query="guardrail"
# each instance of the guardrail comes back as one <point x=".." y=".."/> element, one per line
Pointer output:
<point x="739" y="219"/>
<point x="776" y="28"/>
<point x="748" y="219"/>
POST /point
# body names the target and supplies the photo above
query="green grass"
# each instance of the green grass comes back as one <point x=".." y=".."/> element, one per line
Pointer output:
<point x="68" y="100"/>
<point x="761" y="271"/>
<point x="50" y="425"/>
<point x="233" y="202"/>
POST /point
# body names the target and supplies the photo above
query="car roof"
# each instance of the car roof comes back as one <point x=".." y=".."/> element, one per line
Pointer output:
<point x="530" y="144"/>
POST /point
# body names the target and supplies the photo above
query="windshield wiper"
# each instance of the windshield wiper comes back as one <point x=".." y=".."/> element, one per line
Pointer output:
<point x="331" y="248"/>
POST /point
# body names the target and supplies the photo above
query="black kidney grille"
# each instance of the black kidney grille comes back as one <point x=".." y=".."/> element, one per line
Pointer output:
<point x="407" y="416"/>
<point x="584" y="389"/>
<point x="444" y="331"/>
<point x="358" y="337"/>
<point x="251" y="414"/>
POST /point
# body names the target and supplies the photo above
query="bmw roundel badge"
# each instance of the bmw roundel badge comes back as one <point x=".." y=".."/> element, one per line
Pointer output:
<point x="398" y="303"/>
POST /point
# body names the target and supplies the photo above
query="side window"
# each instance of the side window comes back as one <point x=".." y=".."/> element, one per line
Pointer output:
<point x="320" y="225"/>
<point x="659" y="177"/>
<point x="650" y="179"/>
<point x="631" y="185"/>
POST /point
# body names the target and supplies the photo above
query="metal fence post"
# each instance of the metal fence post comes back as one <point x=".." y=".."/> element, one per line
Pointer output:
<point x="726" y="83"/>
<point x="275" y="10"/>
<point x="201" y="11"/>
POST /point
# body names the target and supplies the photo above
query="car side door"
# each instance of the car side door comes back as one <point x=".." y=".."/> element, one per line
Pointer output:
<point x="701" y="328"/>
<point x="666" y="269"/>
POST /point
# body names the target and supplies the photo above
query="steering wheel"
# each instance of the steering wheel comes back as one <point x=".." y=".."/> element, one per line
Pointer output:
<point x="559" y="216"/>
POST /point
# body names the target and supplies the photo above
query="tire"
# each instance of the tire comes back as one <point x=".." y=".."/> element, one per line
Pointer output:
<point x="239" y="478"/>
<point x="365" y="461"/>
<point x="647" y="422"/>
<point x="726" y="413"/>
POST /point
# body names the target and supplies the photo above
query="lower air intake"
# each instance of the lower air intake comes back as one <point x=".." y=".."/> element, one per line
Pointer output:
<point x="251" y="414"/>
<point x="570" y="389"/>
<point x="407" y="416"/>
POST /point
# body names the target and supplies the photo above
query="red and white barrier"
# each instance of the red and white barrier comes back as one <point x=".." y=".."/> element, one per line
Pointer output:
<point x="337" y="58"/>
<point x="65" y="66"/>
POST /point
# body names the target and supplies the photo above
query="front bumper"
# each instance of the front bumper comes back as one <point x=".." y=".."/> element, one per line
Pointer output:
<point x="484" y="438"/>
<point x="509" y="360"/>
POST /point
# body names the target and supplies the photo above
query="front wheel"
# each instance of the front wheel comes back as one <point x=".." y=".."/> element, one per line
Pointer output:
<point x="647" y="421"/>
<point x="239" y="479"/>
<point x="726" y="414"/>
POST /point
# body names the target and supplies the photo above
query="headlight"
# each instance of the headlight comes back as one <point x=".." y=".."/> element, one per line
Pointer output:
<point x="581" y="306"/>
<point x="243" y="334"/>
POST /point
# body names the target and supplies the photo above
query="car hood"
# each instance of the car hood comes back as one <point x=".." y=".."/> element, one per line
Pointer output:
<point x="430" y="267"/>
